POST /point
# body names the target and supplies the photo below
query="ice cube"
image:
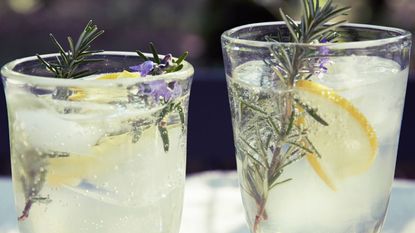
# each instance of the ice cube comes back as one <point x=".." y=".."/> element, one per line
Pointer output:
<point x="47" y="131"/>
<point x="255" y="73"/>
<point x="372" y="84"/>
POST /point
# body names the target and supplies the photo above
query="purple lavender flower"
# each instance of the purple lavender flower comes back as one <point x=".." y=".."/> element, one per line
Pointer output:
<point x="322" y="66"/>
<point x="144" y="68"/>
<point x="159" y="89"/>
<point x="323" y="60"/>
<point x="324" y="50"/>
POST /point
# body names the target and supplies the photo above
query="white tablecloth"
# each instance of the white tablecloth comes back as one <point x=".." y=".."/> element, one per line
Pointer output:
<point x="212" y="204"/>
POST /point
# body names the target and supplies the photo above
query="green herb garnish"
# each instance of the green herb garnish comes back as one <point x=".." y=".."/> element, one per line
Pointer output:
<point x="270" y="142"/>
<point x="67" y="64"/>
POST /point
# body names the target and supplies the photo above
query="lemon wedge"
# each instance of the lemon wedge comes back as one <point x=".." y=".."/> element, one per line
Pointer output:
<point x="348" y="145"/>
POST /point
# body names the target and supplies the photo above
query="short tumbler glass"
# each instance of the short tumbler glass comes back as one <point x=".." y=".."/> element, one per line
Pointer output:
<point x="316" y="126"/>
<point x="101" y="154"/>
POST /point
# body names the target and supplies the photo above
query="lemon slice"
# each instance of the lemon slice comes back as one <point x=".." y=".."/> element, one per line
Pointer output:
<point x="101" y="159"/>
<point x="348" y="145"/>
<point x="81" y="94"/>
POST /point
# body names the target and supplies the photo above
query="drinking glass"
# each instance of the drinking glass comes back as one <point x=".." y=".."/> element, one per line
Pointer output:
<point x="316" y="126"/>
<point x="102" y="154"/>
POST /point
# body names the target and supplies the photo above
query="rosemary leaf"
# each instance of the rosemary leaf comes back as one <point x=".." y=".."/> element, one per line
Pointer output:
<point x="311" y="111"/>
<point x="177" y="68"/>
<point x="319" y="33"/>
<point x="278" y="183"/>
<point x="161" y="125"/>
<point x="289" y="26"/>
<point x="274" y="126"/>
<point x="250" y="106"/>
<point x="164" y="137"/>
<point x="142" y="56"/>
<point x="180" y="111"/>
<point x="252" y="157"/>
<point x="155" y="53"/>
<point x="182" y="57"/>
<point x="249" y="145"/>
<point x="279" y="75"/>
<point x="291" y="122"/>
<point x="300" y="147"/>
<point x="262" y="148"/>
<point x="315" y="151"/>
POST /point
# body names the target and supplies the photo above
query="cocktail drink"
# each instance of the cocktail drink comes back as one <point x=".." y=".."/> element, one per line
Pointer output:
<point x="316" y="125"/>
<point x="104" y="153"/>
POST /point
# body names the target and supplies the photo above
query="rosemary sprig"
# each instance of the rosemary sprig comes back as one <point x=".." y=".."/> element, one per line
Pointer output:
<point x="314" y="27"/>
<point x="33" y="178"/>
<point x="67" y="64"/>
<point x="161" y="122"/>
<point x="286" y="140"/>
<point x="33" y="174"/>
<point x="313" y="24"/>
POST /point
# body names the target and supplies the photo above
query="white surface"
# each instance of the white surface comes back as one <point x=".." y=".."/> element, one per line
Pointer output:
<point x="213" y="205"/>
<point x="7" y="213"/>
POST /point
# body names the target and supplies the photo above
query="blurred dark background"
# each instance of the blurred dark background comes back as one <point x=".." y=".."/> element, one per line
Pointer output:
<point x="175" y="26"/>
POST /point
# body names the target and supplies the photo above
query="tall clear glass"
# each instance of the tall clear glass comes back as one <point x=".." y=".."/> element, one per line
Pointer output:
<point x="316" y="126"/>
<point x="101" y="154"/>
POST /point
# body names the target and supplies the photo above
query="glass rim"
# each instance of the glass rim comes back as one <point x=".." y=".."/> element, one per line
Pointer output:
<point x="7" y="72"/>
<point x="351" y="44"/>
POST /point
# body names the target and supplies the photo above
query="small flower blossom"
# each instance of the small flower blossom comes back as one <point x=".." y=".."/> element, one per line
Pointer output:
<point x="149" y="67"/>
<point x="324" y="50"/>
<point x="144" y="68"/>
<point x="159" y="89"/>
<point x="323" y="61"/>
